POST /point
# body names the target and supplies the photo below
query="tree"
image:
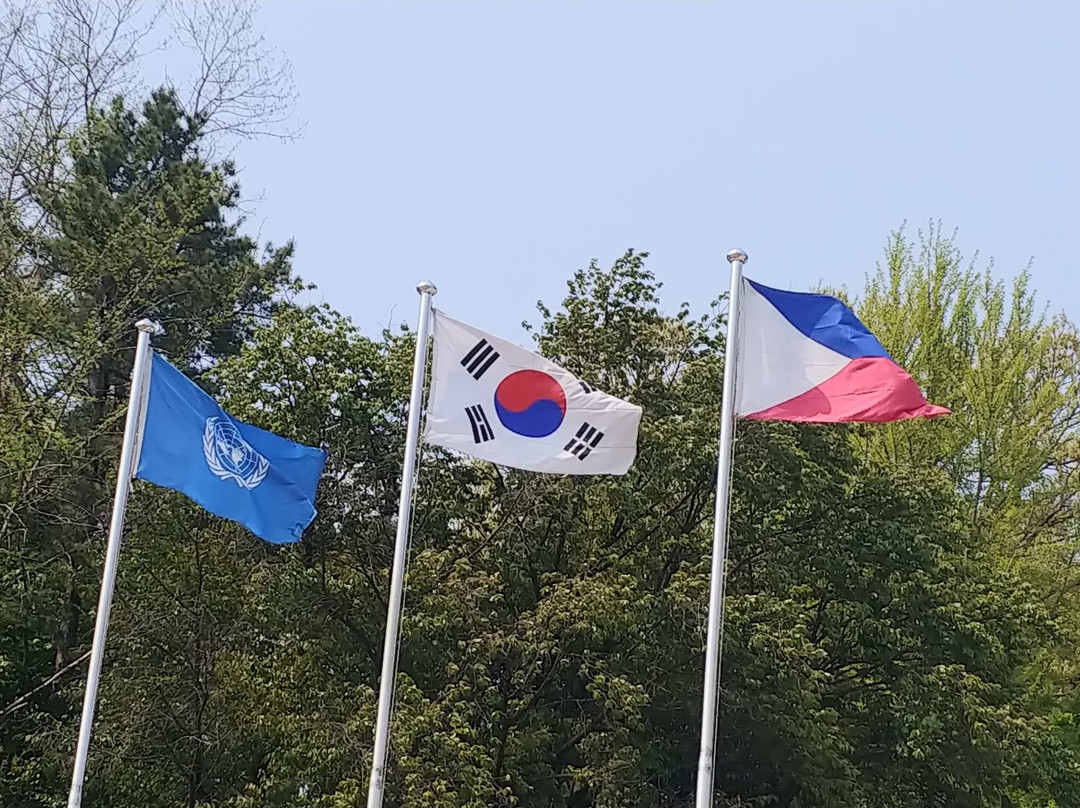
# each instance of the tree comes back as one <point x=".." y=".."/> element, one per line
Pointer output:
<point x="142" y="227"/>
<point x="890" y="642"/>
<point x="553" y="632"/>
<point x="1006" y="368"/>
<point x="61" y="63"/>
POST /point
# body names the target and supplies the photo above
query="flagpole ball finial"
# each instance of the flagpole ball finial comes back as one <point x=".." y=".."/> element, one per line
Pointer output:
<point x="737" y="255"/>
<point x="149" y="326"/>
<point x="427" y="288"/>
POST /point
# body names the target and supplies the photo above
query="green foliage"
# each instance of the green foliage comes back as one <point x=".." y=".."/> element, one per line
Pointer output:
<point x="141" y="228"/>
<point x="1007" y="369"/>
<point x="899" y="626"/>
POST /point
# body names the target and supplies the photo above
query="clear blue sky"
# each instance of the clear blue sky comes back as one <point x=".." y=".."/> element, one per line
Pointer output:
<point x="497" y="147"/>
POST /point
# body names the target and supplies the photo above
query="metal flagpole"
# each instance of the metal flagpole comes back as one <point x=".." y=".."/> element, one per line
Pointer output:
<point x="719" y="548"/>
<point x="377" y="783"/>
<point x="112" y="554"/>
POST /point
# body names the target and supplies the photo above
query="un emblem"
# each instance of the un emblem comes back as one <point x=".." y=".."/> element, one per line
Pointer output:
<point x="231" y="457"/>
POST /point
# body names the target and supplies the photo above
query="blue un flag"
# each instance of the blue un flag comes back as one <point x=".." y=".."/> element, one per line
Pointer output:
<point x="234" y="470"/>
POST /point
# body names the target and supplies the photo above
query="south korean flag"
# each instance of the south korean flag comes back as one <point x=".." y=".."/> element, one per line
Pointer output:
<point x="498" y="402"/>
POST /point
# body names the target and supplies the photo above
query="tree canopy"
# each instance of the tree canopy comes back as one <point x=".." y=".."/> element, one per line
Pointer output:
<point x="901" y="622"/>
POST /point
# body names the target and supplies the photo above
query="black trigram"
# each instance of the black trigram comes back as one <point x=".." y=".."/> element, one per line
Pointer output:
<point x="585" y="386"/>
<point x="586" y="439"/>
<point x="481" y="428"/>
<point x="479" y="359"/>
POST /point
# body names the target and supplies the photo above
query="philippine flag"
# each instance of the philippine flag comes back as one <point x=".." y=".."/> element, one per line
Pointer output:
<point x="806" y="357"/>
<point x="499" y="402"/>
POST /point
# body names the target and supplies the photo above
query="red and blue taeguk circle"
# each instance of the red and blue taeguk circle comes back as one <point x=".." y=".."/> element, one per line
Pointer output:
<point x="530" y="403"/>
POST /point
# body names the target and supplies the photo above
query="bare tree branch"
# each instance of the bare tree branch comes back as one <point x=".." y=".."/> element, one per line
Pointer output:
<point x="62" y="60"/>
<point x="244" y="86"/>
<point x="59" y="63"/>
<point x="24" y="699"/>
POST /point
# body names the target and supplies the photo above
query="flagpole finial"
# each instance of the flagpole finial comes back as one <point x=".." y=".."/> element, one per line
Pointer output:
<point x="427" y="288"/>
<point x="149" y="326"/>
<point x="738" y="255"/>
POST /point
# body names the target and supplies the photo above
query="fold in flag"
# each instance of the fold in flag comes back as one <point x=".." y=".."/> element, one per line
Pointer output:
<point x="499" y="402"/>
<point x="234" y="470"/>
<point x="806" y="357"/>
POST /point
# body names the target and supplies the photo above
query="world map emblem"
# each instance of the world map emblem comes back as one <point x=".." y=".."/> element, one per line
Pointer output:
<point x="231" y="457"/>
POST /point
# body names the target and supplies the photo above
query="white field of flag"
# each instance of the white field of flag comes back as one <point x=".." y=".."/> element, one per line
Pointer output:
<point x="499" y="402"/>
